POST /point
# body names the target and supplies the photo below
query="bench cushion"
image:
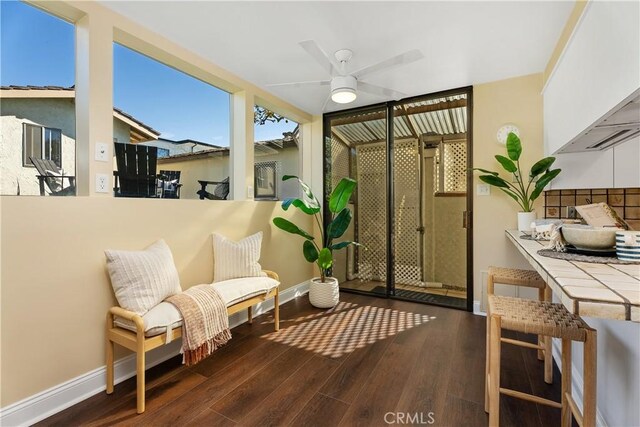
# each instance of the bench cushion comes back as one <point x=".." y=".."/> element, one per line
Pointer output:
<point x="231" y="291"/>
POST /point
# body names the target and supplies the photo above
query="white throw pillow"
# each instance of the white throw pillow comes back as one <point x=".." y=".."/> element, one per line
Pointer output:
<point x="143" y="279"/>
<point x="236" y="259"/>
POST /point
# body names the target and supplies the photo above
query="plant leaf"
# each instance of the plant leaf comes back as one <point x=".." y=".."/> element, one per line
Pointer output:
<point x="541" y="166"/>
<point x="542" y="182"/>
<point x="325" y="259"/>
<point x="507" y="164"/>
<point x="340" y="223"/>
<point x="308" y="196"/>
<point x="306" y="206"/>
<point x="494" y="180"/>
<point x="486" y="171"/>
<point x="290" y="227"/>
<point x="309" y="250"/>
<point x="514" y="146"/>
<point x="342" y="245"/>
<point x="341" y="194"/>
<point x="514" y="196"/>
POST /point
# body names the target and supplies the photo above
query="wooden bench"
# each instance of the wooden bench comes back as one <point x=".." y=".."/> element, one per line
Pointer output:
<point x="140" y="344"/>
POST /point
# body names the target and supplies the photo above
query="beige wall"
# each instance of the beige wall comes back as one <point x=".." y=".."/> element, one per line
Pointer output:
<point x="56" y="291"/>
<point x="519" y="101"/>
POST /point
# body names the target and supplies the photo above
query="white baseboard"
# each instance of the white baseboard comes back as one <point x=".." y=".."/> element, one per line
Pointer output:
<point x="576" y="382"/>
<point x="51" y="401"/>
<point x="476" y="309"/>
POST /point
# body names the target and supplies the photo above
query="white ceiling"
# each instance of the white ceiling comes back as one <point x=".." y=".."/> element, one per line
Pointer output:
<point x="464" y="43"/>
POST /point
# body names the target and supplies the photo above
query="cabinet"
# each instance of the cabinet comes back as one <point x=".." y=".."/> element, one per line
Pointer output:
<point x="599" y="68"/>
<point x="618" y="167"/>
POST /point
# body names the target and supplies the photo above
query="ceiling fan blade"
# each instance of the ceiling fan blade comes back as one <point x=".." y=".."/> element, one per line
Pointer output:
<point x="402" y="59"/>
<point x="329" y="65"/>
<point x="380" y="91"/>
<point x="300" y="84"/>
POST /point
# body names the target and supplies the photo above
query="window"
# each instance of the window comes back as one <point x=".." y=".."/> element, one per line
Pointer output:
<point x="276" y="153"/>
<point x="266" y="180"/>
<point x="37" y="112"/>
<point x="174" y="125"/>
<point x="41" y="143"/>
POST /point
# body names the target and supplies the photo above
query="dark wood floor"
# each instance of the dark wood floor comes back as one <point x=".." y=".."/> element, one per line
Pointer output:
<point x="347" y="366"/>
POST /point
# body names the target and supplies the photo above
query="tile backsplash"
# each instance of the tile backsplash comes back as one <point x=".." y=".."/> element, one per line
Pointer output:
<point x="625" y="201"/>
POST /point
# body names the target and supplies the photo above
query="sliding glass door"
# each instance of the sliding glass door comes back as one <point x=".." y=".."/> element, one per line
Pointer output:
<point x="412" y="161"/>
<point x="356" y="147"/>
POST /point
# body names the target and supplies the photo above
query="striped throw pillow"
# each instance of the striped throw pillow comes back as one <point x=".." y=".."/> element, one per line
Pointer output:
<point x="236" y="259"/>
<point x="143" y="279"/>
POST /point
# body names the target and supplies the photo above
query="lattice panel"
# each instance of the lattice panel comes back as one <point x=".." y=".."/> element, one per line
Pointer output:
<point x="371" y="257"/>
<point x="455" y="167"/>
<point x="436" y="170"/>
<point x="339" y="162"/>
<point x="406" y="193"/>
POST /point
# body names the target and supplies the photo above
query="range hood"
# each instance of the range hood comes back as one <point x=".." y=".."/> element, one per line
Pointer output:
<point x="617" y="126"/>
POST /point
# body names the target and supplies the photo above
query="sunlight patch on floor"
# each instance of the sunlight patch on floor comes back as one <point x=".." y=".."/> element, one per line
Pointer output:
<point x="346" y="327"/>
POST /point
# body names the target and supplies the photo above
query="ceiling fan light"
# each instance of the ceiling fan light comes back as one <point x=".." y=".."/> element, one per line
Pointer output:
<point x="343" y="95"/>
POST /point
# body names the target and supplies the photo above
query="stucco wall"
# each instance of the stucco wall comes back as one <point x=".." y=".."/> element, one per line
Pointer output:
<point x="215" y="167"/>
<point x="53" y="113"/>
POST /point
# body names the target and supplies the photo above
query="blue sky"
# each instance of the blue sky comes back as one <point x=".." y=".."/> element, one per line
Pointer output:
<point x="38" y="49"/>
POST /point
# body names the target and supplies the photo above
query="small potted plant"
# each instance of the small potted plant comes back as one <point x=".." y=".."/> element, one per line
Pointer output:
<point x="523" y="193"/>
<point x="324" y="291"/>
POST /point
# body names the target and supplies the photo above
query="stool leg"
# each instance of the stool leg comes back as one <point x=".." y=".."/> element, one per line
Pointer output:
<point x="590" y="380"/>
<point x="566" y="383"/>
<point x="494" y="369"/>
<point x="541" y="338"/>
<point x="548" y="360"/>
<point x="487" y="359"/>
<point x="548" y="354"/>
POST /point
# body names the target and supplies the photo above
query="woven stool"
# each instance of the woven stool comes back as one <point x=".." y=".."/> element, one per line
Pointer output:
<point x="529" y="279"/>
<point x="551" y="320"/>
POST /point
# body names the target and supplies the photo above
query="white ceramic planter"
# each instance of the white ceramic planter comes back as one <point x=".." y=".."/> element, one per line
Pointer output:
<point x="524" y="221"/>
<point x="324" y="295"/>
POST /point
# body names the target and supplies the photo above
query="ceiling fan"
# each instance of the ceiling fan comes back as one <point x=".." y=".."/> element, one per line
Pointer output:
<point x="344" y="84"/>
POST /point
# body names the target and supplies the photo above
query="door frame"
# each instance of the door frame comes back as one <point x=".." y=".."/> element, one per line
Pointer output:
<point x="389" y="108"/>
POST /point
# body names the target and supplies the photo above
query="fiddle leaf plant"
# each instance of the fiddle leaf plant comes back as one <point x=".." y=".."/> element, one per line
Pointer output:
<point x="321" y="252"/>
<point x="523" y="193"/>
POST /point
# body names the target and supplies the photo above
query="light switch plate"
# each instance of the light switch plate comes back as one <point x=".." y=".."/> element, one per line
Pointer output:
<point x="102" y="152"/>
<point x="483" y="190"/>
<point x="102" y="183"/>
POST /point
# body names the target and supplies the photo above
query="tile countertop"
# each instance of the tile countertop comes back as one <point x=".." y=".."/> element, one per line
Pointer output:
<point x="608" y="291"/>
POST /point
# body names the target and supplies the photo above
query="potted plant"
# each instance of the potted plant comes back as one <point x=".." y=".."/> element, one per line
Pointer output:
<point x="523" y="193"/>
<point x="323" y="291"/>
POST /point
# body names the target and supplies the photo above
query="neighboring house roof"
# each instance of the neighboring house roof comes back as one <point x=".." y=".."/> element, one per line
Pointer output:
<point x="138" y="130"/>
<point x="187" y="141"/>
<point x="263" y="148"/>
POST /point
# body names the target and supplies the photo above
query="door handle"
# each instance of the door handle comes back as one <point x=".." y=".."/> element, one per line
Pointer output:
<point x="466" y="219"/>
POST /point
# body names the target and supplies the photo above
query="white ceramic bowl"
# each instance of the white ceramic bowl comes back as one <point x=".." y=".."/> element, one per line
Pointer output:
<point x="588" y="237"/>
